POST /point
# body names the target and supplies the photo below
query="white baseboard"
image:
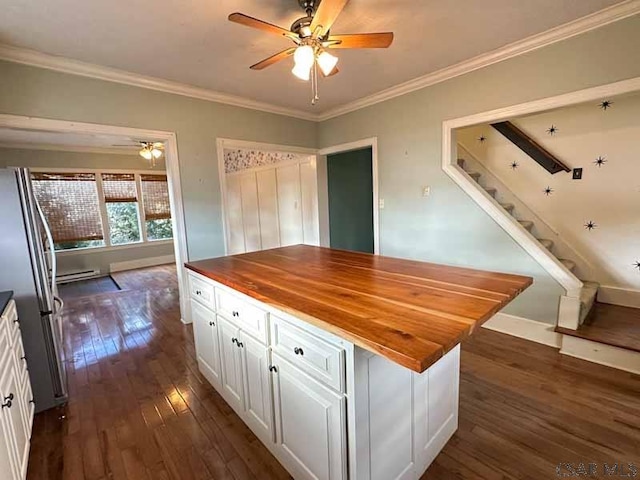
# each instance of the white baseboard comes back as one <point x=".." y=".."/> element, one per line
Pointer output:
<point x="538" y="332"/>
<point x="141" y="263"/>
<point x="626" y="297"/>
<point x="607" y="355"/>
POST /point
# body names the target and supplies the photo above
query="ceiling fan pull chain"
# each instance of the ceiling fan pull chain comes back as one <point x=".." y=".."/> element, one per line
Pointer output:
<point x="314" y="84"/>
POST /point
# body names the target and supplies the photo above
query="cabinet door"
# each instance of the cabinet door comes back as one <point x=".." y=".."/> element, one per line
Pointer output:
<point x="309" y="196"/>
<point x="310" y="424"/>
<point x="257" y="383"/>
<point x="232" y="387"/>
<point x="205" y="332"/>
<point x="268" y="202"/>
<point x="235" y="233"/>
<point x="289" y="205"/>
<point x="250" y="213"/>
<point x="12" y="420"/>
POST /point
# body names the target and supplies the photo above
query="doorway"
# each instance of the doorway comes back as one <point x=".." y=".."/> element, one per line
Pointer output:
<point x="350" y="200"/>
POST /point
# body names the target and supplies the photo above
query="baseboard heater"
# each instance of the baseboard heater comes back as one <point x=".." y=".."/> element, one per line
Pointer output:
<point x="76" y="275"/>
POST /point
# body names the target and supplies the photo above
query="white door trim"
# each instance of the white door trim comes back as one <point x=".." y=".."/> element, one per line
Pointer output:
<point x="449" y="164"/>
<point x="229" y="143"/>
<point x="358" y="145"/>
<point x="173" y="175"/>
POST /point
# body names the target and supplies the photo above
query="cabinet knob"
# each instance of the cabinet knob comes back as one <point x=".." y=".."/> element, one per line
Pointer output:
<point x="212" y="324"/>
<point x="298" y="351"/>
<point x="23" y="358"/>
<point x="273" y="368"/>
<point x="234" y="340"/>
<point x="235" y="313"/>
<point x="240" y="344"/>
<point x="16" y="321"/>
<point x="198" y="292"/>
<point x="8" y="401"/>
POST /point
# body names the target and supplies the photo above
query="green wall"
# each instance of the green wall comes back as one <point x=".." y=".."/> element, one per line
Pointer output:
<point x="38" y="92"/>
<point x="447" y="226"/>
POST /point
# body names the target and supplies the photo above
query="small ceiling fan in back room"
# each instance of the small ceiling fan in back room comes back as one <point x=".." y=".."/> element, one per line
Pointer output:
<point x="313" y="39"/>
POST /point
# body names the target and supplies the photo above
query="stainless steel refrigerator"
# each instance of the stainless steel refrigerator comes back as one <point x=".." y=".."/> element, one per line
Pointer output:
<point x="28" y="267"/>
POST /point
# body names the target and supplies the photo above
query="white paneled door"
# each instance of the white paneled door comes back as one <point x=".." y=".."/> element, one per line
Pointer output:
<point x="270" y="207"/>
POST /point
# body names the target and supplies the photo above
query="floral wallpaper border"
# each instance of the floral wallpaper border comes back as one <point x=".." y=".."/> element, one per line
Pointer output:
<point x="238" y="159"/>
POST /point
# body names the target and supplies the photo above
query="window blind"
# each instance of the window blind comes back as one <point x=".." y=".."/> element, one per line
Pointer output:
<point x="70" y="204"/>
<point x="155" y="197"/>
<point x="119" y="187"/>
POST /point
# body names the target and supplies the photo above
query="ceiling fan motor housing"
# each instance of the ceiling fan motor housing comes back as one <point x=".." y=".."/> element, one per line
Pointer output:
<point x="309" y="6"/>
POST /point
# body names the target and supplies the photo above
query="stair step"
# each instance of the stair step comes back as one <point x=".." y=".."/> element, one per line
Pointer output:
<point x="491" y="191"/>
<point x="475" y="175"/>
<point x="526" y="224"/>
<point x="587" y="298"/>
<point x="548" y="244"/>
<point x="508" y="207"/>
<point x="570" y="265"/>
<point x="461" y="162"/>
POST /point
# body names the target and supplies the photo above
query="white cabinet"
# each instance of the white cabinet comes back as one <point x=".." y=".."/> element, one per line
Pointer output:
<point x="232" y="387"/>
<point x="16" y="412"/>
<point x="274" y="206"/>
<point x="205" y="330"/>
<point x="310" y="424"/>
<point x="257" y="386"/>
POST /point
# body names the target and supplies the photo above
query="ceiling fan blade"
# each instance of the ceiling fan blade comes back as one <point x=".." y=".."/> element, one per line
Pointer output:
<point x="360" y="40"/>
<point x="273" y="59"/>
<point x="248" y="21"/>
<point x="326" y="15"/>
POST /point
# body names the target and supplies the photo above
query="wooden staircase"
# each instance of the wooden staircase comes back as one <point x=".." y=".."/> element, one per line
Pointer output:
<point x="589" y="289"/>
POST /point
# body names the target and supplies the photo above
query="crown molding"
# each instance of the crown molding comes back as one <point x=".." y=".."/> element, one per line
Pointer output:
<point x="71" y="148"/>
<point x="581" y="25"/>
<point x="75" y="67"/>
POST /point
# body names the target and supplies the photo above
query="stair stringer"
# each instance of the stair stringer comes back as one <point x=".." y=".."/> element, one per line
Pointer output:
<point x="569" y="310"/>
<point x="561" y="248"/>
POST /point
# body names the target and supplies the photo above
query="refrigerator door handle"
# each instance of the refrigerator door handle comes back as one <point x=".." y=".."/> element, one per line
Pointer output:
<point x="52" y="249"/>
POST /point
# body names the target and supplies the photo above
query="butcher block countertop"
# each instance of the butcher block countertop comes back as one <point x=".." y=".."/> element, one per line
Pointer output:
<point x="407" y="311"/>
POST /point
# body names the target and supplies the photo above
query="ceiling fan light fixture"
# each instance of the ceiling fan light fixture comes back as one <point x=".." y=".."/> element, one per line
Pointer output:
<point x="146" y="153"/>
<point x="327" y="62"/>
<point x="304" y="56"/>
<point x="156" y="152"/>
<point x="303" y="72"/>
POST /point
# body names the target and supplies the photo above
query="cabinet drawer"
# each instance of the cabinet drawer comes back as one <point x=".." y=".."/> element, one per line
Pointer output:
<point x="10" y="319"/>
<point x="314" y="355"/>
<point x="202" y="291"/>
<point x="250" y="318"/>
<point x="18" y="353"/>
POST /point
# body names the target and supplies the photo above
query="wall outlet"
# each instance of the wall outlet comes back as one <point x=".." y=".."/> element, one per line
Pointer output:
<point x="381" y="203"/>
<point x="426" y="191"/>
<point x="577" y="174"/>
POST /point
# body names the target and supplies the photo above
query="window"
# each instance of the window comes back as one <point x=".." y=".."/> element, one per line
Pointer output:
<point x="97" y="209"/>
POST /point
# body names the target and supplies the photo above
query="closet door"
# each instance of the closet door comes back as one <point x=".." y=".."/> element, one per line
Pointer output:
<point x="289" y="205"/>
<point x="235" y="233"/>
<point x="250" y="219"/>
<point x="268" y="206"/>
<point x="309" y="192"/>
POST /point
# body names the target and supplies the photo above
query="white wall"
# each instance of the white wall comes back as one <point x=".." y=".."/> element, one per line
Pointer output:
<point x="608" y="195"/>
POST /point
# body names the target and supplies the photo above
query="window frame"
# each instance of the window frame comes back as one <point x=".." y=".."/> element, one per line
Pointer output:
<point x="106" y="231"/>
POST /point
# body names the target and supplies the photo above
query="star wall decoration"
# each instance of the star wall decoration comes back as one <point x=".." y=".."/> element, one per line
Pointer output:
<point x="548" y="191"/>
<point x="637" y="265"/>
<point x="552" y="130"/>
<point x="606" y="104"/>
<point x="600" y="161"/>
<point x="590" y="225"/>
<point x="482" y="139"/>
<point x="514" y="165"/>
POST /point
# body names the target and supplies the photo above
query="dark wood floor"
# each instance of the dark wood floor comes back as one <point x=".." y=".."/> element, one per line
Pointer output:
<point x="610" y="324"/>
<point x="139" y="409"/>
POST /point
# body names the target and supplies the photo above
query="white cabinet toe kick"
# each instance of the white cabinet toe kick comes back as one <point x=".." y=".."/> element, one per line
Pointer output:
<point x="325" y="408"/>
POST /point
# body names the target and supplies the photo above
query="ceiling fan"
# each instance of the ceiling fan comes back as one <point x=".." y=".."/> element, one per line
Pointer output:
<point x="148" y="150"/>
<point x="313" y="39"/>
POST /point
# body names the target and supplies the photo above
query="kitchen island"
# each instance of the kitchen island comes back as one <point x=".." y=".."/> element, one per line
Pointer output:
<point x="345" y="365"/>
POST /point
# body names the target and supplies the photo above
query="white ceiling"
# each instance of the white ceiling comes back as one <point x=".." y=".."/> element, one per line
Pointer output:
<point x="194" y="43"/>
